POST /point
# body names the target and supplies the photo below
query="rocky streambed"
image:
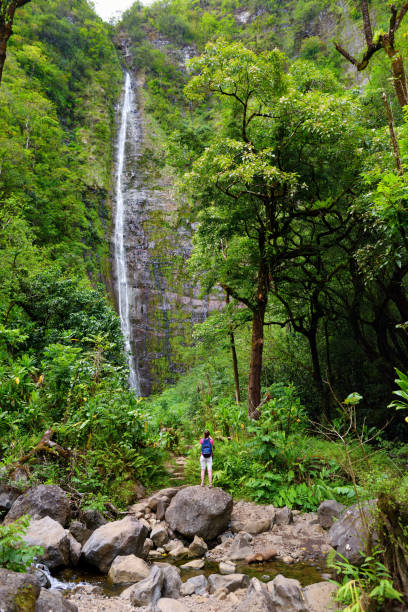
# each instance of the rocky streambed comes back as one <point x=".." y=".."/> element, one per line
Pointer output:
<point x="183" y="548"/>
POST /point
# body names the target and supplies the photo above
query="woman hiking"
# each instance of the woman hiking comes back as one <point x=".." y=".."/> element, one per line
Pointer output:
<point x="207" y="444"/>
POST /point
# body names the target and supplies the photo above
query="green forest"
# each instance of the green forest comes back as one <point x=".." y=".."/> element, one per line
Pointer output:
<point x="281" y="131"/>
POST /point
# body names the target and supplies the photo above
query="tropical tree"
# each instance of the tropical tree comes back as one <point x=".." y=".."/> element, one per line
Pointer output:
<point x="7" y="10"/>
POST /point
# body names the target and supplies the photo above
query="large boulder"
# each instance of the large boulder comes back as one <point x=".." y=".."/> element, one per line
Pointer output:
<point x="128" y="569"/>
<point x="171" y="580"/>
<point x="319" y="597"/>
<point x="251" y="518"/>
<point x="122" y="537"/>
<point x="53" y="601"/>
<point x="286" y="595"/>
<point x="8" y="496"/>
<point x="147" y="591"/>
<point x="230" y="582"/>
<point x="18" y="591"/>
<point x="44" y="500"/>
<point x="328" y="512"/>
<point x="53" y="538"/>
<point x="354" y="531"/>
<point x="200" y="511"/>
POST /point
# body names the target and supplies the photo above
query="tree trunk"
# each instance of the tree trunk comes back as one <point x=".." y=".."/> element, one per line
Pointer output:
<point x="255" y="367"/>
<point x="7" y="10"/>
<point x="234" y="358"/>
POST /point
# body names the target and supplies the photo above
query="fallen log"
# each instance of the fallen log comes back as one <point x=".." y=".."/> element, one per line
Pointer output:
<point x="45" y="444"/>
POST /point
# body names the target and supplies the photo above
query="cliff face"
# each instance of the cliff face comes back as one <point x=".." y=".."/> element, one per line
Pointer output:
<point x="163" y="304"/>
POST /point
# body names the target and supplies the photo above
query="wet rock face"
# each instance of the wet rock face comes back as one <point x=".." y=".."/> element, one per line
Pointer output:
<point x="53" y="600"/>
<point x="200" y="511"/>
<point x="41" y="501"/>
<point x="163" y="303"/>
<point x="122" y="537"/>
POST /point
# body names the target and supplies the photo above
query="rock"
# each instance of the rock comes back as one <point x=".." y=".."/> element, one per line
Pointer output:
<point x="159" y="535"/>
<point x="256" y="585"/>
<point x="171" y="545"/>
<point x="226" y="567"/>
<point x="252" y="518"/>
<point x="197" y="585"/>
<point x="53" y="601"/>
<point x="240" y="548"/>
<point x="146" y="591"/>
<point x="231" y="582"/>
<point x="171" y="580"/>
<point x="197" y="548"/>
<point x="8" y="496"/>
<point x="146" y="524"/>
<point x="79" y="531"/>
<point x="155" y="554"/>
<point x="53" y="538"/>
<point x="349" y="536"/>
<point x="221" y="594"/>
<point x="44" y="500"/>
<point x="128" y="568"/>
<point x="162" y="505"/>
<point x="21" y="587"/>
<point x="74" y="550"/>
<point x="328" y="511"/>
<point x="93" y="519"/>
<point x="122" y="537"/>
<point x="41" y="572"/>
<point x="288" y="560"/>
<point x="257" y="601"/>
<point x="179" y="552"/>
<point x="319" y="596"/>
<point x="286" y="595"/>
<point x="283" y="516"/>
<point x="200" y="511"/>
<point x="147" y="547"/>
<point x="197" y="564"/>
<point x="170" y="605"/>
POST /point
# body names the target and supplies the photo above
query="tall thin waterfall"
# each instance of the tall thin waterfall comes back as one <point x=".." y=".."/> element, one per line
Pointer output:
<point x="119" y="238"/>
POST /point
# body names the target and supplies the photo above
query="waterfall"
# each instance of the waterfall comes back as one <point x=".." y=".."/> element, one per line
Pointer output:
<point x="123" y="292"/>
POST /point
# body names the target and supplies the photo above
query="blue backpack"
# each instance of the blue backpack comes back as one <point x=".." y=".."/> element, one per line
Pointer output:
<point x="206" y="448"/>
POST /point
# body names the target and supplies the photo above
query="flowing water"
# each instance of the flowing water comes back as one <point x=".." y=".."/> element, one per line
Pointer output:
<point x="121" y="263"/>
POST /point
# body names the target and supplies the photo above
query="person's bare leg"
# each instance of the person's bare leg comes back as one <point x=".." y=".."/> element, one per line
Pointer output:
<point x="202" y="477"/>
<point x="210" y="477"/>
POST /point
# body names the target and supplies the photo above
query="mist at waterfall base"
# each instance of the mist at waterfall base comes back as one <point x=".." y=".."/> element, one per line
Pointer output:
<point x="121" y="266"/>
<point x="108" y="9"/>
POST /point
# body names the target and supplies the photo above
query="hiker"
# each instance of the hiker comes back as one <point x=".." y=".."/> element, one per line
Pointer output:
<point x="207" y="444"/>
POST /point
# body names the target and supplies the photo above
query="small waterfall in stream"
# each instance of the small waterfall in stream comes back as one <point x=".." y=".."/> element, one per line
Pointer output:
<point x="123" y="289"/>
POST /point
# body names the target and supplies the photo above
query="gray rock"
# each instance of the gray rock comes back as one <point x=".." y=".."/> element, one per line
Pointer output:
<point x="171" y="545"/>
<point x="170" y="605"/>
<point x="93" y="519"/>
<point x="319" y="596"/>
<point x="197" y="585"/>
<point x="349" y="535"/>
<point x="283" y="516"/>
<point x="147" y="547"/>
<point x="41" y="572"/>
<point x="148" y="591"/>
<point x="179" y="552"/>
<point x="162" y="505"/>
<point x="251" y="518"/>
<point x="229" y="583"/>
<point x="122" y="537"/>
<point x="328" y="511"/>
<point x="44" y="500"/>
<point x="53" y="601"/>
<point x="74" y="550"/>
<point x="200" y="511"/>
<point x="240" y="548"/>
<point x="79" y="531"/>
<point x="286" y="595"/>
<point x="197" y="548"/>
<point x="226" y="567"/>
<point x="8" y="496"/>
<point x="128" y="568"/>
<point x="171" y="580"/>
<point x="159" y="535"/>
<point x="196" y="564"/>
<point x="257" y="601"/>
<point x="53" y="538"/>
<point x="18" y="586"/>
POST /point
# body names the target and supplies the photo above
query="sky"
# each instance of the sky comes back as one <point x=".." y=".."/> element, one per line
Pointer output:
<point x="111" y="8"/>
